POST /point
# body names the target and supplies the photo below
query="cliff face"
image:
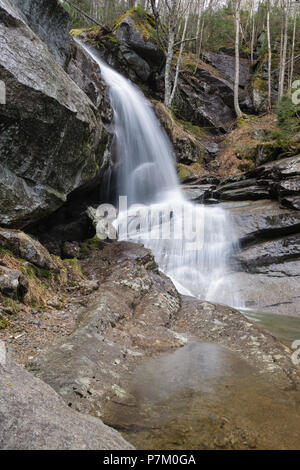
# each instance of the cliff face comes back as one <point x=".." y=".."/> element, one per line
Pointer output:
<point x="52" y="136"/>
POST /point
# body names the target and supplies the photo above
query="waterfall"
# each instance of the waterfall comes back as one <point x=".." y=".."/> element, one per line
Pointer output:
<point x="192" y="244"/>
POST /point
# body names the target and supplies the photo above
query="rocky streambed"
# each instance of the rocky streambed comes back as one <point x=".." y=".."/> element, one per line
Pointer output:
<point x="165" y="370"/>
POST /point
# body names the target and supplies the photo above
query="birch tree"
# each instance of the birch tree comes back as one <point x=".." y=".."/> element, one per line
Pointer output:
<point x="237" y="58"/>
<point x="269" y="58"/>
<point x="283" y="55"/>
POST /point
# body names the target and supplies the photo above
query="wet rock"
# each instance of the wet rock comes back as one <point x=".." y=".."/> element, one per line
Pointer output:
<point x="25" y="247"/>
<point x="13" y="283"/>
<point x="133" y="309"/>
<point x="34" y="417"/>
<point x="262" y="220"/>
<point x="274" y="251"/>
<point x="51" y="134"/>
<point x="198" y="193"/>
<point x="241" y="194"/>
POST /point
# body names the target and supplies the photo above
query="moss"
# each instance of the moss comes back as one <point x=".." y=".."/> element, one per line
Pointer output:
<point x="259" y="84"/>
<point x="182" y="171"/>
<point x="143" y="21"/>
<point x="3" y="323"/>
<point x="90" y="245"/>
<point x="79" y="31"/>
<point x="74" y="264"/>
<point x="11" y="304"/>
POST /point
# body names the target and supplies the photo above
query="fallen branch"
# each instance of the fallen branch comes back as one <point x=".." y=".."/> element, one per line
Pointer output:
<point x="185" y="40"/>
<point x="86" y="15"/>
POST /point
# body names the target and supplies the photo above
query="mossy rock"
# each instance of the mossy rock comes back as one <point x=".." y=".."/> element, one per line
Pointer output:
<point x="183" y="171"/>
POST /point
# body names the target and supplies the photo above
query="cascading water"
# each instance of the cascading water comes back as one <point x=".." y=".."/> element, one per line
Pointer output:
<point x="191" y="243"/>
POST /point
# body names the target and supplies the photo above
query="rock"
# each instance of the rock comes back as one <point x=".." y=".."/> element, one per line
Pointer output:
<point x="270" y="252"/>
<point x="25" y="247"/>
<point x="12" y="283"/>
<point x="268" y="268"/>
<point x="87" y="287"/>
<point x="198" y="193"/>
<point x="296" y="139"/>
<point x="226" y="65"/>
<point x="51" y="23"/>
<point x="259" y="134"/>
<point x="34" y="417"/>
<point x="86" y="74"/>
<point x="262" y="220"/>
<point x="139" y="52"/>
<point x="243" y="194"/>
<point x="133" y="309"/>
<point x="51" y="135"/>
<point x="291" y="202"/>
<point x="70" y="250"/>
<point x="188" y="148"/>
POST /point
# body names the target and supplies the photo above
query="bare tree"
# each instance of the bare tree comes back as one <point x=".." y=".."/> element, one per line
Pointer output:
<point x="269" y="58"/>
<point x="237" y="59"/>
<point x="282" y="69"/>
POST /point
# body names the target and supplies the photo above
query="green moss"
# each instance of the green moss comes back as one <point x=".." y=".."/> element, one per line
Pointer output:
<point x="6" y="252"/>
<point x="259" y="84"/>
<point x="182" y="171"/>
<point x="143" y="21"/>
<point x="11" y="304"/>
<point x="79" y="31"/>
<point x="3" y="323"/>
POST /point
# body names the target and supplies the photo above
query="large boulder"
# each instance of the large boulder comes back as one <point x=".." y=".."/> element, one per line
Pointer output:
<point x="51" y="133"/>
<point x="25" y="247"/>
<point x="50" y="21"/>
<point x="13" y="283"/>
<point x="34" y="417"/>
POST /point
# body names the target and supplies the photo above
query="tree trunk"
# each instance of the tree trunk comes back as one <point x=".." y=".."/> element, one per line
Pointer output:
<point x="269" y="60"/>
<point x="237" y="59"/>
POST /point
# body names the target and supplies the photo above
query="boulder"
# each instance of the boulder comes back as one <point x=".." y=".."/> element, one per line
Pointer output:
<point x="225" y="64"/>
<point x="25" y="247"/>
<point x="12" y="283"/>
<point x="52" y="138"/>
<point x="34" y="417"/>
<point x="51" y="23"/>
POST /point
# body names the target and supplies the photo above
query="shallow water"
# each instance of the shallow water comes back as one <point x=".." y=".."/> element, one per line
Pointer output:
<point x="283" y="327"/>
<point x="203" y="396"/>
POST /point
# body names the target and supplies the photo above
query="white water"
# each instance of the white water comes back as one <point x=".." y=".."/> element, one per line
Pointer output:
<point x="198" y="261"/>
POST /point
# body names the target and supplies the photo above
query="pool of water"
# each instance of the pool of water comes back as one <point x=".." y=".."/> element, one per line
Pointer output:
<point x="203" y="396"/>
<point x="285" y="328"/>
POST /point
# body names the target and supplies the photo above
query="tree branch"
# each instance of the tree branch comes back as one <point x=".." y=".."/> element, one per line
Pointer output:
<point x="86" y="15"/>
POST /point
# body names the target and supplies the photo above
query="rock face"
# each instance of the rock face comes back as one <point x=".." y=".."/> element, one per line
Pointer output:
<point x="225" y="64"/>
<point x="51" y="23"/>
<point x="34" y="417"/>
<point x="264" y="205"/>
<point x="52" y="139"/>
<point x="130" y="315"/>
